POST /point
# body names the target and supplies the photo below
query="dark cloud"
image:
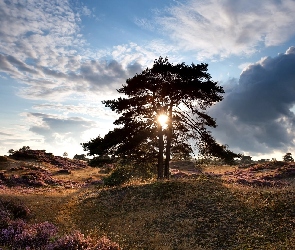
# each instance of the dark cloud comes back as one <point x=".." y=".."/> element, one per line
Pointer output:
<point x="20" y="65"/>
<point x="134" y="68"/>
<point x="100" y="74"/>
<point x="5" y="134"/>
<point x="15" y="67"/>
<point x="47" y="83"/>
<point x="5" y="65"/>
<point x="256" y="114"/>
<point x="51" y="126"/>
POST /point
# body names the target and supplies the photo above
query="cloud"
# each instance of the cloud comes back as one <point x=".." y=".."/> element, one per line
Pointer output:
<point x="5" y="134"/>
<point x="97" y="111"/>
<point x="145" y="24"/>
<point x="42" y="47"/>
<point x="52" y="127"/>
<point x="256" y="113"/>
<point x="232" y="27"/>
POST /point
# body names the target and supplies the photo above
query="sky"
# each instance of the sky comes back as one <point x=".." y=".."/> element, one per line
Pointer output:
<point x="60" y="59"/>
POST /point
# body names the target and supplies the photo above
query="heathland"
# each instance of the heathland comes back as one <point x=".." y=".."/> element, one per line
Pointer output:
<point x="200" y="207"/>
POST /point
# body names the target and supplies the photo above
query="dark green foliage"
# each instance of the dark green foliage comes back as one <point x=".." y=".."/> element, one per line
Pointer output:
<point x="119" y="176"/>
<point x="100" y="161"/>
<point x="288" y="157"/>
<point x="80" y="157"/>
<point x="124" y="172"/>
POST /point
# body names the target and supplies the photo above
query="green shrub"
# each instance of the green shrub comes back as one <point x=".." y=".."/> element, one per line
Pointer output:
<point x="124" y="172"/>
<point x="119" y="176"/>
<point x="100" y="161"/>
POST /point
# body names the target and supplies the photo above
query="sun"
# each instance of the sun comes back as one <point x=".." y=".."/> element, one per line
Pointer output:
<point x="162" y="120"/>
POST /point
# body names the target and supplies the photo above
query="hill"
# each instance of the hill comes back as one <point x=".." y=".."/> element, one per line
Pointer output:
<point x="209" y="207"/>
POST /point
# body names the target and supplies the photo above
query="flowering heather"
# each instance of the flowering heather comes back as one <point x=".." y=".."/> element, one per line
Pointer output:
<point x="262" y="175"/>
<point x="76" y="240"/>
<point x="105" y="244"/>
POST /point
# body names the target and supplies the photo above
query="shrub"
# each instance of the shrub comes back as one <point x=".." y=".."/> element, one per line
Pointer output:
<point x="5" y="218"/>
<point x="105" y="244"/>
<point x="24" y="236"/>
<point x="119" y="176"/>
<point x="16" y="209"/>
<point x="100" y="161"/>
<point x="74" y="241"/>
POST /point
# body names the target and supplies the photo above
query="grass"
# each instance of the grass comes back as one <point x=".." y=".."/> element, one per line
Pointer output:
<point x="205" y="212"/>
<point x="190" y="214"/>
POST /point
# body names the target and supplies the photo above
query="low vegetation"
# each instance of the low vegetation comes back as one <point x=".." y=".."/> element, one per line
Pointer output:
<point x="204" y="207"/>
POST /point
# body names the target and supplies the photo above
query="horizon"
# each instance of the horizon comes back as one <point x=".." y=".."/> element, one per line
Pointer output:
<point x="58" y="61"/>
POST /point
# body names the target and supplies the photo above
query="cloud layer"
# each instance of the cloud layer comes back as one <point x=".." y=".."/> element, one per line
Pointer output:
<point x="42" y="47"/>
<point x="256" y="114"/>
<point x="218" y="29"/>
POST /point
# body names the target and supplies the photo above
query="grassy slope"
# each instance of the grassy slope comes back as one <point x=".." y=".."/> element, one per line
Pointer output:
<point x="202" y="213"/>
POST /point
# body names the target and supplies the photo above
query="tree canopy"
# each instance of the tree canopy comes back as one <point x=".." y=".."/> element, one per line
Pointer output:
<point x="288" y="157"/>
<point x="180" y="92"/>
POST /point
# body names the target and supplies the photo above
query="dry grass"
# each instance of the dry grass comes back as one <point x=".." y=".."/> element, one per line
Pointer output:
<point x="201" y="213"/>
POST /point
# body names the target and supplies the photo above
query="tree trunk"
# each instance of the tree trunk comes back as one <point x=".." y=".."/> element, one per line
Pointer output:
<point x="168" y="145"/>
<point x="161" y="149"/>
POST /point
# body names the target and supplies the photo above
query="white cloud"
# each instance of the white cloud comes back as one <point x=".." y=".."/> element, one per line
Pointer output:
<point x="244" y="65"/>
<point x="86" y="11"/>
<point x="145" y="23"/>
<point x="233" y="27"/>
<point x="42" y="48"/>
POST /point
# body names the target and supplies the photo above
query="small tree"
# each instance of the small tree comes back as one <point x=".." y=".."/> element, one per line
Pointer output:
<point x="288" y="157"/>
<point x="80" y="157"/>
<point x="11" y="151"/>
<point x="65" y="154"/>
<point x="24" y="148"/>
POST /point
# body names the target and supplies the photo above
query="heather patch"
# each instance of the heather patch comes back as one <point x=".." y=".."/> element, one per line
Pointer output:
<point x="207" y="208"/>
<point x="273" y="174"/>
<point x="42" y="156"/>
<point x="33" y="179"/>
<point x="16" y="233"/>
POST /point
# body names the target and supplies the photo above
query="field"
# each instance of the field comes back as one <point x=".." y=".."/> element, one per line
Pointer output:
<point x="204" y="207"/>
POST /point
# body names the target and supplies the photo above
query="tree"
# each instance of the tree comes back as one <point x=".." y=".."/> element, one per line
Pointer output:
<point x="24" y="148"/>
<point x="180" y="92"/>
<point x="65" y="154"/>
<point x="80" y="157"/>
<point x="288" y="157"/>
<point x="11" y="151"/>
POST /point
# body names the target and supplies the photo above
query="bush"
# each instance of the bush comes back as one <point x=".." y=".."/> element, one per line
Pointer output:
<point x="16" y="209"/>
<point x="119" y="176"/>
<point x="74" y="241"/>
<point x="124" y="172"/>
<point x="100" y="161"/>
<point x="20" y="235"/>
<point x="105" y="244"/>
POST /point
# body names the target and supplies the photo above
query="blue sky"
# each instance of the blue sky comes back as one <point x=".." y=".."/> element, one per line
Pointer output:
<point x="60" y="59"/>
